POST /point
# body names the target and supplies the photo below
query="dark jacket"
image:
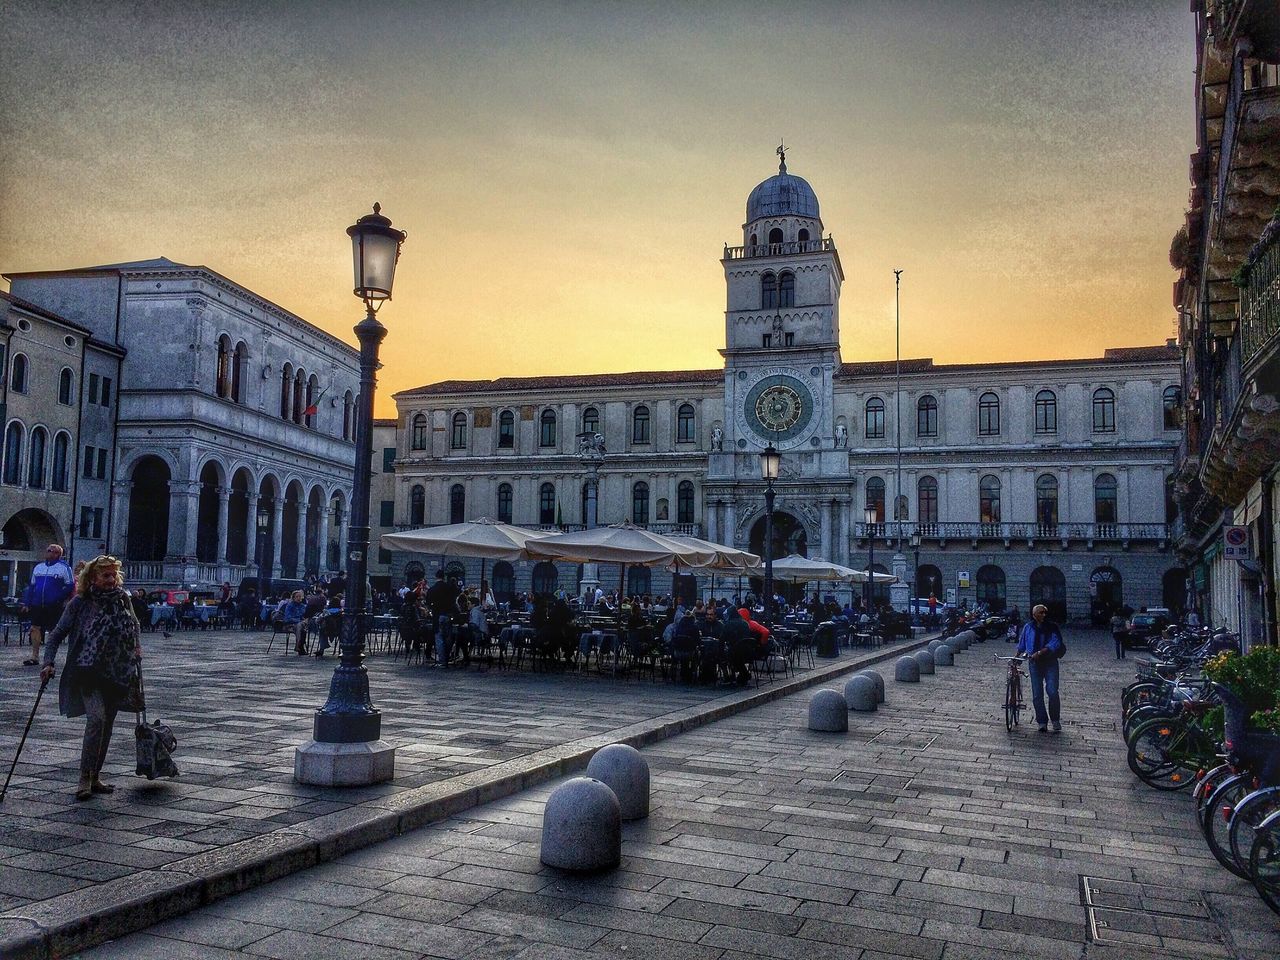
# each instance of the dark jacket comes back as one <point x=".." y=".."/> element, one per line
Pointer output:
<point x="70" y="698"/>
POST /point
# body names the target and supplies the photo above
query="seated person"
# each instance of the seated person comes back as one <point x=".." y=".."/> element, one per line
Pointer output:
<point x="293" y="615"/>
<point x="329" y="622"/>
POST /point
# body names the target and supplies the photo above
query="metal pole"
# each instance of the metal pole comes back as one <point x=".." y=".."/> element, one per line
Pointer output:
<point x="871" y="562"/>
<point x="897" y="410"/>
<point x="768" y="553"/>
<point x="349" y="716"/>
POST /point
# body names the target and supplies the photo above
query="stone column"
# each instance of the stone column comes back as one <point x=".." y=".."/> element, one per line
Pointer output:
<point x="251" y="532"/>
<point x="824" y="527"/>
<point x="326" y="520"/>
<point x="277" y="529"/>
<point x="730" y="526"/>
<point x="711" y="511"/>
<point x="300" y="571"/>
<point x="846" y="520"/>
<point x="185" y="497"/>
<point x="118" y="535"/>
<point x="224" y="501"/>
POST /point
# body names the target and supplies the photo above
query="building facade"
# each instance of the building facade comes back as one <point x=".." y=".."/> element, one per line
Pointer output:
<point x="382" y="495"/>
<point x="234" y="423"/>
<point x="1023" y="481"/>
<point x="1227" y="254"/>
<point x="59" y="438"/>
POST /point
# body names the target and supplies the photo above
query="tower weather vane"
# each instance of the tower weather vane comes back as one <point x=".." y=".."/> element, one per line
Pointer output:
<point x="782" y="156"/>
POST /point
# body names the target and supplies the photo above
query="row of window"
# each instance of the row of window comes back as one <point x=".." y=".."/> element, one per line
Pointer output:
<point x="1046" y="413"/>
<point x="300" y="393"/>
<point x="20" y="382"/>
<point x="1104" y="499"/>
<point x="34" y="452"/>
<point x="549" y="504"/>
<point x="548" y="424"/>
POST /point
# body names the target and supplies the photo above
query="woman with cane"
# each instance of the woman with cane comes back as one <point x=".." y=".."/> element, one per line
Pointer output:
<point x="101" y="675"/>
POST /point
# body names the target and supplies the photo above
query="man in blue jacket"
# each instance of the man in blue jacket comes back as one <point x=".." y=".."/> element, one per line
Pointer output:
<point x="1041" y="642"/>
<point x="51" y="584"/>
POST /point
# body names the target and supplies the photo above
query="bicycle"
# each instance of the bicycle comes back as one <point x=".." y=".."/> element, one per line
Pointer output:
<point x="1013" y="702"/>
<point x="1165" y="753"/>
<point x="1264" y="861"/>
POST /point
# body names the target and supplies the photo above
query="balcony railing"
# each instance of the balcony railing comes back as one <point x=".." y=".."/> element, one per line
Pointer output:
<point x="1260" y="299"/>
<point x="663" y="527"/>
<point x="779" y="249"/>
<point x="1010" y="532"/>
<point x="177" y="573"/>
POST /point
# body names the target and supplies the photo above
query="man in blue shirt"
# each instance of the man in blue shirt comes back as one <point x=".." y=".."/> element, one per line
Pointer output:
<point x="1041" y="642"/>
<point x="51" y="584"/>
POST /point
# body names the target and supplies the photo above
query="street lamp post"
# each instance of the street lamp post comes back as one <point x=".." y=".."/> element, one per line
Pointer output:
<point x="591" y="452"/>
<point x="347" y="748"/>
<point x="770" y="464"/>
<point x="264" y="518"/>
<point x="871" y="558"/>
<point x="915" y="567"/>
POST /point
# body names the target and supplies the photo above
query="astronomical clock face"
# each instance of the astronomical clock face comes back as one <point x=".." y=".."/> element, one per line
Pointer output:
<point x="778" y="407"/>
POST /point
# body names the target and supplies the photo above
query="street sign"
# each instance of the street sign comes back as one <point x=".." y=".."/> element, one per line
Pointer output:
<point x="962" y="579"/>
<point x="1235" y="543"/>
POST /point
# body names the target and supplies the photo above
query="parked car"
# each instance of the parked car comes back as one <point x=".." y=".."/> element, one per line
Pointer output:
<point x="172" y="598"/>
<point x="1143" y="626"/>
<point x="279" y="587"/>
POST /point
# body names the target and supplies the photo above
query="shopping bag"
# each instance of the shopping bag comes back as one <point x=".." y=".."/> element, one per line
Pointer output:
<point x="155" y="744"/>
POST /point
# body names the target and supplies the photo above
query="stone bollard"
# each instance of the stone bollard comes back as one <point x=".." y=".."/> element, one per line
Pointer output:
<point x="626" y="772"/>
<point x="907" y="670"/>
<point x="944" y="656"/>
<point x="582" y="826"/>
<point x="828" y="712"/>
<point x="934" y="644"/>
<point x="967" y="639"/>
<point x="877" y="679"/>
<point x="925" y="659"/>
<point x="860" y="693"/>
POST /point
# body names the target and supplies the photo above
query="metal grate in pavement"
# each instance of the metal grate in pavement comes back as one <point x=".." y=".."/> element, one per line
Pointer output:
<point x="1160" y="918"/>
<point x="912" y="741"/>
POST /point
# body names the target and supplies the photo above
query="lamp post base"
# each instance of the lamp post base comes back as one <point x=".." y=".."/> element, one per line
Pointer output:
<point x="344" y="764"/>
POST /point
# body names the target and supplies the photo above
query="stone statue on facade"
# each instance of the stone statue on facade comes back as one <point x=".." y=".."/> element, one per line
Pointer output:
<point x="591" y="446"/>
<point x="842" y="436"/>
<point x="717" y="439"/>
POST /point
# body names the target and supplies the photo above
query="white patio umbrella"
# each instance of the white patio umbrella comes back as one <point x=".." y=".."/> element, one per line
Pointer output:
<point x="485" y="538"/>
<point x="729" y="560"/>
<point x="798" y="569"/>
<point x="624" y="544"/>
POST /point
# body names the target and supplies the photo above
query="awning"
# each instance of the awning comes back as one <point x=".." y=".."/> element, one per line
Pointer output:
<point x="1252" y="506"/>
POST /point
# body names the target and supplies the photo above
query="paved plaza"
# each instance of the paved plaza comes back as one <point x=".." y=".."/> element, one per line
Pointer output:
<point x="239" y="712"/>
<point x="925" y="832"/>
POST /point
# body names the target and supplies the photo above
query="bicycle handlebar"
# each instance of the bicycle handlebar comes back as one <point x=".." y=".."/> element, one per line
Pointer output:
<point x="1011" y="659"/>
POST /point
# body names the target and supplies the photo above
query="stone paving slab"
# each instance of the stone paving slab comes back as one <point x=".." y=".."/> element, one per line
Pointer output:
<point x="235" y="819"/>
<point x="767" y="840"/>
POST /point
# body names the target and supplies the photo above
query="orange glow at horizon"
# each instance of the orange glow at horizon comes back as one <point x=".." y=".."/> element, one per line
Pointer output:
<point x="569" y="173"/>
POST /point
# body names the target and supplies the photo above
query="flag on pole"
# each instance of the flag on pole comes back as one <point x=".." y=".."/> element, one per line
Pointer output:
<point x="314" y="408"/>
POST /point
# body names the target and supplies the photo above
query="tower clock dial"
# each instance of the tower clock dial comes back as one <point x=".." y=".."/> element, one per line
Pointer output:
<point x="778" y="407"/>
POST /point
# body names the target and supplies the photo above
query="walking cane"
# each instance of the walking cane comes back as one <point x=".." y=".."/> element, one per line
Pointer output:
<point x="43" y="683"/>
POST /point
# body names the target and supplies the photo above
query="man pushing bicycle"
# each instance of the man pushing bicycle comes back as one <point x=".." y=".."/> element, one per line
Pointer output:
<point x="1042" y="644"/>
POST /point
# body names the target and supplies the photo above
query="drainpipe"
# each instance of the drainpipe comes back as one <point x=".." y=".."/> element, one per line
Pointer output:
<point x="1266" y="559"/>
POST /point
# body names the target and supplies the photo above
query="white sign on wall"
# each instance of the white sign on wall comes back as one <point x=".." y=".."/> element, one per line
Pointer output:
<point x="962" y="579"/>
<point x="1235" y="543"/>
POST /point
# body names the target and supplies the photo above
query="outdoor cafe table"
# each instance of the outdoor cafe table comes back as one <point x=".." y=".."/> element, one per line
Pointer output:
<point x="160" y="613"/>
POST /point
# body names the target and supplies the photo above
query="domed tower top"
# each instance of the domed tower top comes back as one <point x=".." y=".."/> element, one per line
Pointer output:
<point x="782" y="195"/>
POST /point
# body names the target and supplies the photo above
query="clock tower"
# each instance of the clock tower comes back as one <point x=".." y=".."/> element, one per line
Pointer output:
<point x="782" y="326"/>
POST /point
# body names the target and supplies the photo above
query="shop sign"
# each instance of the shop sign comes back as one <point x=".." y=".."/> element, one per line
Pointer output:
<point x="962" y="579"/>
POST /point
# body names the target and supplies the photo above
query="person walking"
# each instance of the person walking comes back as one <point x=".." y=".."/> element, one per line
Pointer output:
<point x="1118" y="631"/>
<point x="1042" y="644"/>
<point x="101" y="674"/>
<point x="51" y="583"/>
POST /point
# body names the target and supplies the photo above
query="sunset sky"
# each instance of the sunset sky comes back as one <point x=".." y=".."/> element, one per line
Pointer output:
<point x="569" y="172"/>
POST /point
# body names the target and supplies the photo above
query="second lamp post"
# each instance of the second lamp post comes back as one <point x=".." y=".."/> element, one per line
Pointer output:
<point x="770" y="463"/>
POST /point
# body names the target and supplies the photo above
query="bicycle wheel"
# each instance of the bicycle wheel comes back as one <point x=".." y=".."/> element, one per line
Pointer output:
<point x="1148" y="748"/>
<point x="1205" y="787"/>
<point x="1011" y="703"/>
<point x="1139" y="694"/>
<point x="1264" y="861"/>
<point x="1249" y="814"/>
<point x="1143" y="714"/>
<point x="1217" y="820"/>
